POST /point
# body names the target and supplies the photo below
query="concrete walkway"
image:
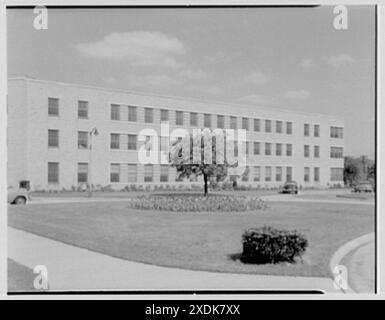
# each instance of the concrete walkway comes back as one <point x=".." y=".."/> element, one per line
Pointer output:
<point x="73" y="268"/>
<point x="361" y="266"/>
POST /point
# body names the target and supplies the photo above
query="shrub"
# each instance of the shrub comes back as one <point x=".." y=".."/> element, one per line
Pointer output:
<point x="196" y="203"/>
<point x="270" y="245"/>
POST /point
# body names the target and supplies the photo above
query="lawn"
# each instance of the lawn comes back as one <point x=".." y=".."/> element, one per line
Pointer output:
<point x="200" y="241"/>
<point x="20" y="278"/>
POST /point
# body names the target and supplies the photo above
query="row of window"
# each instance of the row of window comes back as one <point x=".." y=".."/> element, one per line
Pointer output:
<point x="131" y="171"/>
<point x="131" y="141"/>
<point x="117" y="112"/>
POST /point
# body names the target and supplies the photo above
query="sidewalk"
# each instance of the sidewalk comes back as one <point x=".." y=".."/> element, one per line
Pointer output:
<point x="361" y="267"/>
<point x="73" y="268"/>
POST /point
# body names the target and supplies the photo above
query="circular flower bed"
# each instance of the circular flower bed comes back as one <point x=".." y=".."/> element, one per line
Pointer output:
<point x="197" y="203"/>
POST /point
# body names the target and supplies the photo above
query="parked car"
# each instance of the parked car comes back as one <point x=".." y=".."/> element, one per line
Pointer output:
<point x="290" y="187"/>
<point x="363" y="186"/>
<point x="18" y="196"/>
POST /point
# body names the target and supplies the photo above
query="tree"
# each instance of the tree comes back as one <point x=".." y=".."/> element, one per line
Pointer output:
<point x="351" y="170"/>
<point x="182" y="156"/>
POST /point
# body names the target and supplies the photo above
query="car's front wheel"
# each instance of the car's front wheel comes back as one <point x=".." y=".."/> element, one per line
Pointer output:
<point x="20" y="200"/>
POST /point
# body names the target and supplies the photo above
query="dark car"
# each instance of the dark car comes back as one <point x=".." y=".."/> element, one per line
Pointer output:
<point x="290" y="187"/>
<point x="363" y="186"/>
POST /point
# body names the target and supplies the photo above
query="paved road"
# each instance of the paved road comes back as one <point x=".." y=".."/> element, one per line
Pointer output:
<point x="73" y="268"/>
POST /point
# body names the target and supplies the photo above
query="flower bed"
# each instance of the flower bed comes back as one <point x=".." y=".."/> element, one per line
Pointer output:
<point x="197" y="203"/>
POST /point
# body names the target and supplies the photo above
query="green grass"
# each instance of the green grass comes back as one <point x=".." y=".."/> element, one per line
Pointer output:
<point x="201" y="241"/>
<point x="20" y="278"/>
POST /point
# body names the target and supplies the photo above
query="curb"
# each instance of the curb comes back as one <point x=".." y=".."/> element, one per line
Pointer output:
<point x="345" y="250"/>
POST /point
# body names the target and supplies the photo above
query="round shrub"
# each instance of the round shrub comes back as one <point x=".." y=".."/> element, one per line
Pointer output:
<point x="270" y="245"/>
<point x="197" y="203"/>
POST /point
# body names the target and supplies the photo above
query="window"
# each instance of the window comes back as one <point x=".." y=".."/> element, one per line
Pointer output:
<point x="115" y="172"/>
<point x="148" y="172"/>
<point x="245" y="123"/>
<point x="193" y="119"/>
<point x="289" y="127"/>
<point x="207" y="120"/>
<point x="82" y="139"/>
<point x="306" y="129"/>
<point x="132" y="113"/>
<point x="115" y="141"/>
<point x="82" y="172"/>
<point x="336" y="132"/>
<point x="336" y="174"/>
<point x="289" y="173"/>
<point x="257" y="173"/>
<point x="336" y="152"/>
<point x="267" y="125"/>
<point x="163" y="173"/>
<point x="148" y="115"/>
<point x="245" y="174"/>
<point x="278" y="173"/>
<point x="132" y="171"/>
<point x="278" y="126"/>
<point x="257" y="125"/>
<point x="53" y="172"/>
<point x="306" y="151"/>
<point x="235" y="148"/>
<point x="289" y="150"/>
<point x="53" y="138"/>
<point x="267" y="173"/>
<point x="220" y="122"/>
<point x="316" y="130"/>
<point x="268" y="149"/>
<point x="278" y="149"/>
<point x="247" y="147"/>
<point x="233" y="123"/>
<point x="83" y="109"/>
<point x="115" y="112"/>
<point x="164" y="115"/>
<point x="316" y="151"/>
<point x="179" y="118"/>
<point x="316" y="174"/>
<point x="53" y="107"/>
<point x="132" y="142"/>
<point x="306" y="176"/>
<point x="257" y="148"/>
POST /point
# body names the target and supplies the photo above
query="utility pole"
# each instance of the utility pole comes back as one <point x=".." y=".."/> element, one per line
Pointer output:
<point x="93" y="132"/>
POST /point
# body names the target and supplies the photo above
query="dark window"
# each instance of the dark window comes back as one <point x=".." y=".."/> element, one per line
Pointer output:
<point x="267" y="173"/>
<point x="233" y="123"/>
<point x="257" y="148"/>
<point x="115" y="172"/>
<point x="257" y="125"/>
<point x="115" y="112"/>
<point x="278" y="149"/>
<point x="148" y="115"/>
<point x="220" y="122"/>
<point x="316" y="151"/>
<point x="53" y="107"/>
<point x="267" y="125"/>
<point x="289" y="127"/>
<point x="306" y="177"/>
<point x="278" y="173"/>
<point x="163" y="173"/>
<point x="82" y="172"/>
<point x="115" y="141"/>
<point x="316" y="130"/>
<point x="83" y="109"/>
<point x="164" y="115"/>
<point x="53" y="172"/>
<point x="268" y="149"/>
<point x="306" y="129"/>
<point x="306" y="151"/>
<point x="132" y="142"/>
<point x="132" y="113"/>
<point x="316" y="174"/>
<point x="289" y="173"/>
<point x="53" y="138"/>
<point x="278" y="126"/>
<point x="207" y="120"/>
<point x="82" y="139"/>
<point x="245" y="123"/>
<point x="179" y="118"/>
<point x="336" y="152"/>
<point x="148" y="172"/>
<point x="289" y="150"/>
<point x="193" y="119"/>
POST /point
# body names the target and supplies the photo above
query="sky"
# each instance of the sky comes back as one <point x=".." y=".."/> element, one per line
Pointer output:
<point x="290" y="58"/>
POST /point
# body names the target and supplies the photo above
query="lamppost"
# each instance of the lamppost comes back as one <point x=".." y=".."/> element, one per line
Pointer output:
<point x="93" y="132"/>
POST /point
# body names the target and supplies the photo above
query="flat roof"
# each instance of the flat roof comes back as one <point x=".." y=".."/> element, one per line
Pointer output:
<point x="246" y="107"/>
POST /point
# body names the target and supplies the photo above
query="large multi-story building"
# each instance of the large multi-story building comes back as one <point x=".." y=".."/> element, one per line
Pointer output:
<point x="49" y="126"/>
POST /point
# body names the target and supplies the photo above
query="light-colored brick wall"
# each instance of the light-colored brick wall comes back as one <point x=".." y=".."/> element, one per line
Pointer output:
<point x="28" y="124"/>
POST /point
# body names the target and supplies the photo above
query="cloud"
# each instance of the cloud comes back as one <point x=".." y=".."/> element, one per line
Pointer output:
<point x="153" y="81"/>
<point x="256" y="77"/>
<point x="258" y="99"/>
<point x="340" y="60"/>
<point x="138" y="48"/>
<point x="297" y="94"/>
<point x="307" y="63"/>
<point x="193" y="74"/>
